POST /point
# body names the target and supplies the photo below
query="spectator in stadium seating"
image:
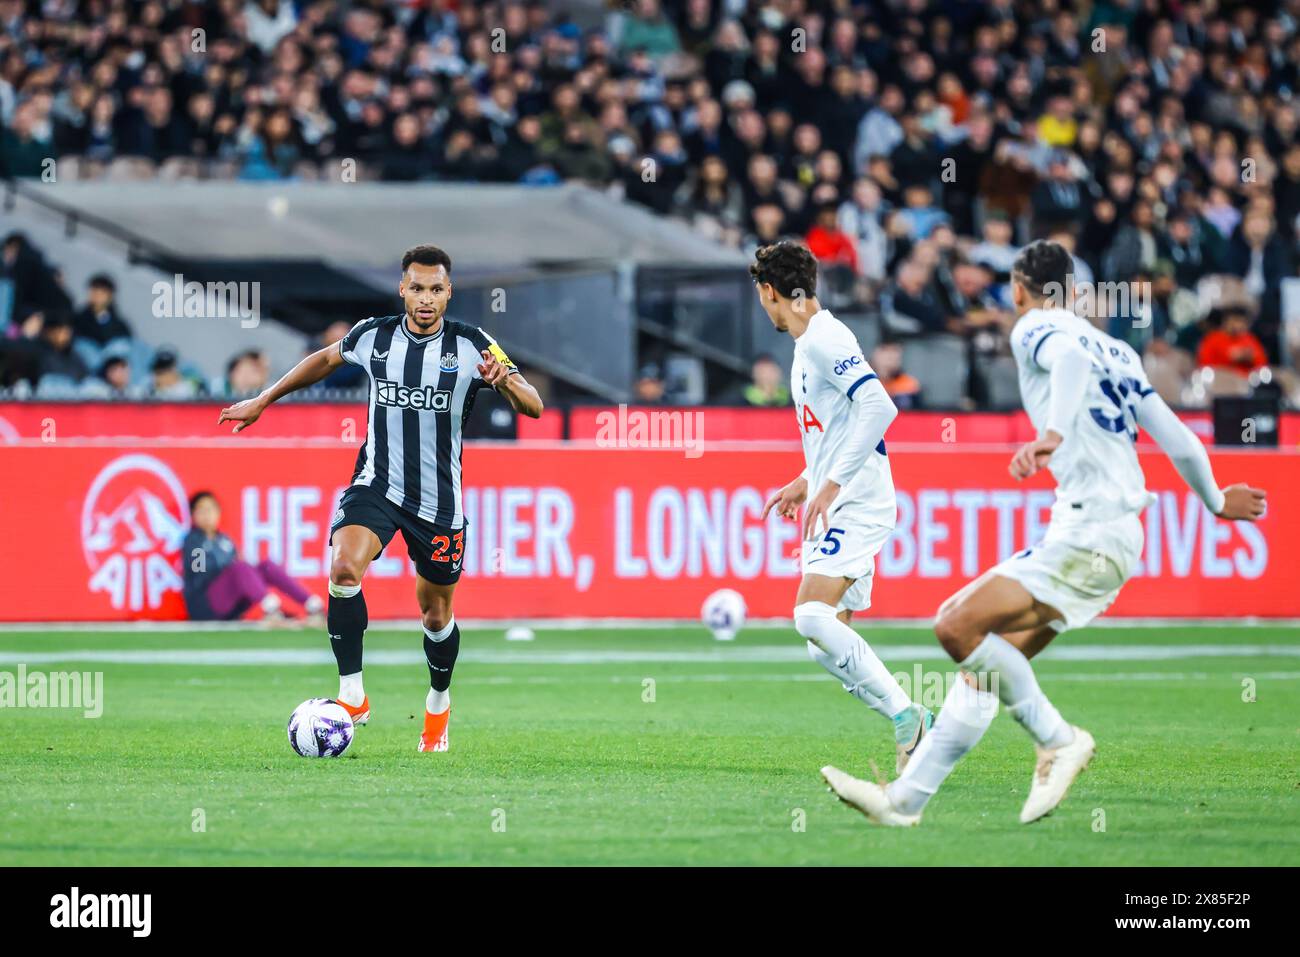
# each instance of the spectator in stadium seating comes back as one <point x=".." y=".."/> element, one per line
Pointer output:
<point x="646" y="28"/>
<point x="769" y="225"/>
<point x="710" y="200"/>
<point x="1230" y="346"/>
<point x="269" y="21"/>
<point x="919" y="212"/>
<point x="1260" y="257"/>
<point x="649" y="388"/>
<point x="887" y="362"/>
<point x="408" y="157"/>
<point x="768" y="386"/>
<point x="219" y="585"/>
<point x="24" y="150"/>
<point x="1286" y="188"/>
<point x="57" y="357"/>
<point x="861" y="219"/>
<point x="879" y="132"/>
<point x="996" y="251"/>
<point x="1059" y="200"/>
<point x="832" y="246"/>
<point x="519" y="153"/>
<point x="247" y="373"/>
<point x="348" y="375"/>
<point x="115" y="374"/>
<point x="654" y="179"/>
<point x="98" y="320"/>
<point x="268" y="146"/>
<point x="911" y="303"/>
<point x="168" y="381"/>
<point x="1135" y="245"/>
<point x="577" y="158"/>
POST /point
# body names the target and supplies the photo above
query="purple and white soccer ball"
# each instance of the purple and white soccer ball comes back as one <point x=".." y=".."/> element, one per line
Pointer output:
<point x="724" y="613"/>
<point x="320" y="728"/>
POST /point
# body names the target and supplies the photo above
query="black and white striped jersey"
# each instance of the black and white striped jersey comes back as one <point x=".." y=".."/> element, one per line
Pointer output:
<point x="421" y="392"/>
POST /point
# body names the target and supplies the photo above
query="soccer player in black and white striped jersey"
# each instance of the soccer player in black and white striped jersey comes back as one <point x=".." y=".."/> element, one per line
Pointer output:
<point x="424" y="371"/>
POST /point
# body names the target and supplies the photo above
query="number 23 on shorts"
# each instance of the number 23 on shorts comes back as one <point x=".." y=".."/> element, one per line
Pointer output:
<point x="441" y="543"/>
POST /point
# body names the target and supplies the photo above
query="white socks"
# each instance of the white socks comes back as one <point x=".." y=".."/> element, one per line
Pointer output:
<point x="437" y="702"/>
<point x="859" y="692"/>
<point x="850" y="659"/>
<point x="966" y="715"/>
<point x="350" y="689"/>
<point x="1011" y="675"/>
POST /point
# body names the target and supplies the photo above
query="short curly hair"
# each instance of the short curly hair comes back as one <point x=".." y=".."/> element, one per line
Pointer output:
<point x="1044" y="268"/>
<point x="426" y="255"/>
<point x="788" y="266"/>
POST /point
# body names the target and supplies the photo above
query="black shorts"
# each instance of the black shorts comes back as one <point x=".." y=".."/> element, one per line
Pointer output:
<point x="438" y="552"/>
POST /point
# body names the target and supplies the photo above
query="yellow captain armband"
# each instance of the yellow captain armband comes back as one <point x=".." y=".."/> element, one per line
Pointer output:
<point x="499" y="354"/>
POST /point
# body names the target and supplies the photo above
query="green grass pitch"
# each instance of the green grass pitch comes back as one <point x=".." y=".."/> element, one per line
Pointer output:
<point x="636" y="746"/>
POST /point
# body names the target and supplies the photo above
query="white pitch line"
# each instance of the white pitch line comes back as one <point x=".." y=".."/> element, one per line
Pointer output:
<point x="806" y="676"/>
<point x="755" y="654"/>
<point x="585" y="624"/>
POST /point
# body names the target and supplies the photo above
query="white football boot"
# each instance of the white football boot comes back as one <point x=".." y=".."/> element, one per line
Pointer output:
<point x="868" y="798"/>
<point x="1055" y="772"/>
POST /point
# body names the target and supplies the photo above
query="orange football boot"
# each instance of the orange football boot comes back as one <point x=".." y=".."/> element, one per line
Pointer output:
<point x="434" y="737"/>
<point x="360" y="713"/>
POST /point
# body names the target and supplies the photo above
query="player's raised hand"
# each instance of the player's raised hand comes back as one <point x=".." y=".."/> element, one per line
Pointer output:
<point x="1241" y="503"/>
<point x="243" y="414"/>
<point x="1033" y="456"/>
<point x="786" y="501"/>
<point x="492" y="371"/>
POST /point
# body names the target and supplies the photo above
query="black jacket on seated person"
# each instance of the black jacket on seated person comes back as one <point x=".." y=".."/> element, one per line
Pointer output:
<point x="101" y="327"/>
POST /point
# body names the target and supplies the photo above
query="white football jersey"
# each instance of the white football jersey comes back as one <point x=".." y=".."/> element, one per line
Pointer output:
<point x="827" y="371"/>
<point x="1097" y="463"/>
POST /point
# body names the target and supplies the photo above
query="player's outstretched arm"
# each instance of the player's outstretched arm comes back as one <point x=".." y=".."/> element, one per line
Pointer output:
<point x="307" y="372"/>
<point x="1235" y="502"/>
<point x="510" y="382"/>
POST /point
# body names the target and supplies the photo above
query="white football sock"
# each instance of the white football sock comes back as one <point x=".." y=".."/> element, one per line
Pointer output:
<point x="856" y="665"/>
<point x="350" y="689"/>
<point x="966" y="715"/>
<point x="436" y="702"/>
<point x="1018" y="689"/>
<point x="859" y="692"/>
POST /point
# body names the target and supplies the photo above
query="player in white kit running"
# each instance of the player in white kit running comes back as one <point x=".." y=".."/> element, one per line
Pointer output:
<point x="842" y="411"/>
<point x="1086" y="394"/>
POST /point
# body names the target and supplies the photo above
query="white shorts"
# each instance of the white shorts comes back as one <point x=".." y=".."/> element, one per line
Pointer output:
<point x="847" y="549"/>
<point x="1078" y="568"/>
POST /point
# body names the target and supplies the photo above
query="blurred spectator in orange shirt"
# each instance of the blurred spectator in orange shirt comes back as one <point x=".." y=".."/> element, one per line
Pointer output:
<point x="887" y="362"/>
<point x="1232" y="345"/>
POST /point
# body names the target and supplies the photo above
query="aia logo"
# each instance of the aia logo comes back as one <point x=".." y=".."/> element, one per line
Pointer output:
<point x="808" y="419"/>
<point x="844" y="365"/>
<point x="132" y="523"/>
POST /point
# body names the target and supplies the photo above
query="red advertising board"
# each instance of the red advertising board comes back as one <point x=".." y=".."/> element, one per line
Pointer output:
<point x="335" y="421"/>
<point x="558" y="530"/>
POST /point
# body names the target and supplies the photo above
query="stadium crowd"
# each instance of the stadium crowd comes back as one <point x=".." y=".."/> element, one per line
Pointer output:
<point x="913" y="145"/>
